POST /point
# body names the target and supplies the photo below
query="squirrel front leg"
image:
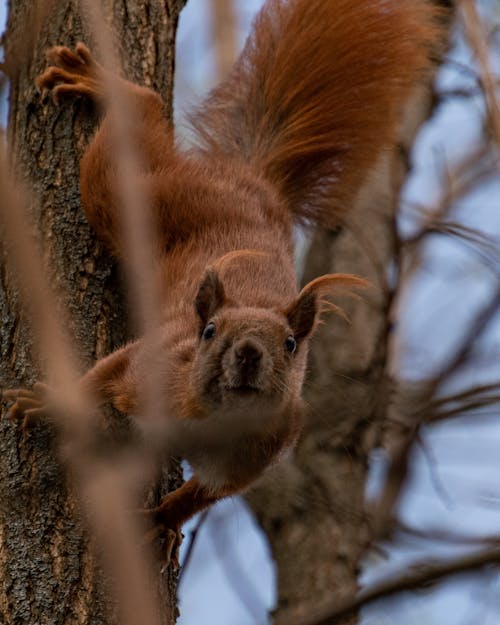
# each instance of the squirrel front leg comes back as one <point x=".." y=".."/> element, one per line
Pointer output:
<point x="110" y="379"/>
<point x="178" y="507"/>
<point x="76" y="74"/>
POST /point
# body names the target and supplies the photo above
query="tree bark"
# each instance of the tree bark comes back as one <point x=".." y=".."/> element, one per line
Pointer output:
<point x="48" y="571"/>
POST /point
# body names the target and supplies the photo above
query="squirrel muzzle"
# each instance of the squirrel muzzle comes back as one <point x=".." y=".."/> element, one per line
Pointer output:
<point x="247" y="364"/>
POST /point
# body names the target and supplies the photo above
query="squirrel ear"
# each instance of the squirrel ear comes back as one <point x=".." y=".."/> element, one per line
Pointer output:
<point x="301" y="314"/>
<point x="210" y="296"/>
<point x="304" y="312"/>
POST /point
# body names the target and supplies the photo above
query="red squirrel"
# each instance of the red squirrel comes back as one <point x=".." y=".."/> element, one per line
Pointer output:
<point x="288" y="137"/>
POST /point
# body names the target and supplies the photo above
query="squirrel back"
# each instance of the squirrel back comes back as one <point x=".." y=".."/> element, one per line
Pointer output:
<point x="317" y="93"/>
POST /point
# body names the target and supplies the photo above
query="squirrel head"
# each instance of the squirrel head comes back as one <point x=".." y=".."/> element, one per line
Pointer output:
<point x="255" y="358"/>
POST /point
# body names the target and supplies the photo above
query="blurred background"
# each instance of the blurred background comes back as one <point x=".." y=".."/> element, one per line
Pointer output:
<point x="451" y="499"/>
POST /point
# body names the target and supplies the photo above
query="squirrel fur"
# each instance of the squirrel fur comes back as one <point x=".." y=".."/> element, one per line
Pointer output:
<point x="288" y="137"/>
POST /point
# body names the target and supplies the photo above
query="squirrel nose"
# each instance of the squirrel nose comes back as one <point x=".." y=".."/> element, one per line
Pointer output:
<point x="248" y="352"/>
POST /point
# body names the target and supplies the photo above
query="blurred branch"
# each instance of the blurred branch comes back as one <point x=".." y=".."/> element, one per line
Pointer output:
<point x="235" y="574"/>
<point x="105" y="489"/>
<point x="19" y="45"/>
<point x="464" y="395"/>
<point x="410" y="409"/>
<point x="436" y="481"/>
<point x="224" y="36"/>
<point x="475" y="397"/>
<point x="463" y="349"/>
<point x="470" y="235"/>
<point x="416" y="404"/>
<point x="420" y="575"/>
<point x="470" y="171"/>
<point x="26" y="263"/>
<point x="460" y="92"/>
<point x="136" y="221"/>
<point x="478" y="41"/>
<point x="74" y="416"/>
<point x="192" y="541"/>
<point x="446" y="535"/>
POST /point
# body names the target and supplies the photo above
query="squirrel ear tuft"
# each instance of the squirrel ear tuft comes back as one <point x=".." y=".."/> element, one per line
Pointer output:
<point x="304" y="312"/>
<point x="210" y="296"/>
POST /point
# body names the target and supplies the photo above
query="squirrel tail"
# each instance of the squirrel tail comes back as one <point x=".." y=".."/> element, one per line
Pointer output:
<point x="317" y="93"/>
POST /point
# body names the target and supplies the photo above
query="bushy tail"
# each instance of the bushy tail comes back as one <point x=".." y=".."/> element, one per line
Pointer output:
<point x="317" y="93"/>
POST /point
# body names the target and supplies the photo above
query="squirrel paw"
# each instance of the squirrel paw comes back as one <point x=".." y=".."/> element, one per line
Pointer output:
<point x="29" y="405"/>
<point x="169" y="534"/>
<point x="71" y="73"/>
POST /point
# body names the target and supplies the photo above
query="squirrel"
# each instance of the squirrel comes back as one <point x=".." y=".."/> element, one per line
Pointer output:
<point x="288" y="137"/>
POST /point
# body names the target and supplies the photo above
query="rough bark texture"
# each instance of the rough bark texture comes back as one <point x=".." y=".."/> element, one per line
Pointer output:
<point x="47" y="570"/>
<point x="312" y="506"/>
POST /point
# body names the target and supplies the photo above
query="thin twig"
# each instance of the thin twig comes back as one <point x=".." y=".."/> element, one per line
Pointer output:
<point x="470" y="393"/>
<point x="478" y="42"/>
<point x="192" y="541"/>
<point x="235" y="574"/>
<point x="446" y="535"/>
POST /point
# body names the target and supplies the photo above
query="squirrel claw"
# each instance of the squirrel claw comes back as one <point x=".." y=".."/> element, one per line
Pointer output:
<point x="29" y="405"/>
<point x="170" y="537"/>
<point x="173" y="541"/>
<point x="71" y="74"/>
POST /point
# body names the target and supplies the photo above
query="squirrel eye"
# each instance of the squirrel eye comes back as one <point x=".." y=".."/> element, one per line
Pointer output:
<point x="209" y="331"/>
<point x="290" y="344"/>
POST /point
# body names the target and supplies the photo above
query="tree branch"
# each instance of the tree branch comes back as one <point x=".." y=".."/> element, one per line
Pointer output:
<point x="420" y="575"/>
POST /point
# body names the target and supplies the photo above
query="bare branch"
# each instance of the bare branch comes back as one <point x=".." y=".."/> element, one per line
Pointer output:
<point x="192" y="541"/>
<point x="420" y="575"/>
<point x="478" y="42"/>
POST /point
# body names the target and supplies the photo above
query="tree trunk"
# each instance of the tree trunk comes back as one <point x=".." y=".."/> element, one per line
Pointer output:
<point x="48" y="572"/>
<point x="312" y="505"/>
